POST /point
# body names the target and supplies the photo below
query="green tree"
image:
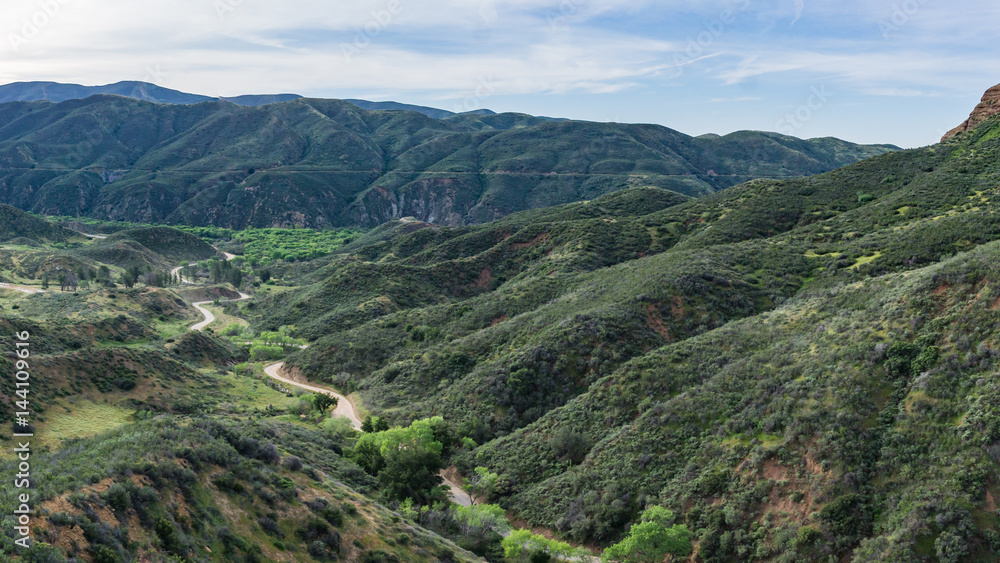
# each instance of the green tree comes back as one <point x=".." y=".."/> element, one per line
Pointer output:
<point x="483" y="483"/>
<point x="324" y="402"/>
<point x="405" y="460"/>
<point x="652" y="539"/>
<point x="522" y="545"/>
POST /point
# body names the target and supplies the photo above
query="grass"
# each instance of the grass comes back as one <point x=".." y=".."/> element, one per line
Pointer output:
<point x="85" y="418"/>
<point x="252" y="393"/>
<point x="866" y="260"/>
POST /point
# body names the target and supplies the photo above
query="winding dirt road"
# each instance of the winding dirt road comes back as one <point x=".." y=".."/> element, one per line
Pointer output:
<point x="344" y="408"/>
<point x="209" y="317"/>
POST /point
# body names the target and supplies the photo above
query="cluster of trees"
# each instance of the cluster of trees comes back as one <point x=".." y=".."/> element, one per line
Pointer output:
<point x="407" y="461"/>
<point x="291" y="245"/>
<point x="267" y="345"/>
<point x="226" y="271"/>
<point x="85" y="277"/>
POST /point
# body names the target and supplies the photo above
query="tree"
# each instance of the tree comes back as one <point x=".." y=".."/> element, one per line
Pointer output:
<point x="483" y="483"/>
<point x="407" y="461"/>
<point x="324" y="402"/>
<point x="651" y="540"/>
<point x="45" y="280"/>
<point x="522" y="545"/>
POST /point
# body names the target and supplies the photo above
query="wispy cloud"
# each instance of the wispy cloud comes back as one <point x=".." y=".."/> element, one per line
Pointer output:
<point x="592" y="57"/>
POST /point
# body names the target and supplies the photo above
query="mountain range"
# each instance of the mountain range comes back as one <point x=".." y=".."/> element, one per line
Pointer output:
<point x="59" y="92"/>
<point x="328" y="163"/>
<point x="806" y="369"/>
<point x="782" y="370"/>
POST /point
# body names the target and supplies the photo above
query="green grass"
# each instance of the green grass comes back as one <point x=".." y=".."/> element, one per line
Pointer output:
<point x="85" y="418"/>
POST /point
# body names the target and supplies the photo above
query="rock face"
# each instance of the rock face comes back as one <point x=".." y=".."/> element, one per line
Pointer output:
<point x="986" y="109"/>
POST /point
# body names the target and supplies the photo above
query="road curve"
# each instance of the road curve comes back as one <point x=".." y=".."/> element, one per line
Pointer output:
<point x="209" y="317"/>
<point x="458" y="494"/>
<point x="177" y="272"/>
<point x="344" y="407"/>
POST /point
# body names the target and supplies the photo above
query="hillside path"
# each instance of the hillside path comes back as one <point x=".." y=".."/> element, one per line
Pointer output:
<point x="344" y="408"/>
<point x="209" y="317"/>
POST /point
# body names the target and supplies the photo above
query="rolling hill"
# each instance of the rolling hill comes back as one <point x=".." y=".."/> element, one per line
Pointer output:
<point x="801" y="369"/>
<point x="325" y="163"/>
<point x="15" y="223"/>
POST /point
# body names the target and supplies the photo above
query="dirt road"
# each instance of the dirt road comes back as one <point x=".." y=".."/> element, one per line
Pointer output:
<point x="344" y="406"/>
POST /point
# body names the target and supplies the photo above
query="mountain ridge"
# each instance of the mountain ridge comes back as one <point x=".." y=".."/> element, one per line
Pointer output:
<point x="60" y="92"/>
<point x="327" y="163"/>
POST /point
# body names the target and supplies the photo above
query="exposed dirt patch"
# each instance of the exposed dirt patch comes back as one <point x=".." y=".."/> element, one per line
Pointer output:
<point x="498" y="320"/>
<point x="485" y="279"/>
<point x="991" y="503"/>
<point x="775" y="471"/>
<point x="656" y="322"/>
<point x="791" y="498"/>
<point x="941" y="290"/>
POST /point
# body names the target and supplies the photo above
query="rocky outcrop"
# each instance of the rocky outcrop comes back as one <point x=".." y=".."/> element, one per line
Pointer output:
<point x="989" y="107"/>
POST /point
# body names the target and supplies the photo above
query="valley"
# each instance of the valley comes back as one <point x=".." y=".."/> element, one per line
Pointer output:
<point x="779" y="369"/>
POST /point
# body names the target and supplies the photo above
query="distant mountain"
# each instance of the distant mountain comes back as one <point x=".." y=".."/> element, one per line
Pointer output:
<point x="323" y="163"/>
<point x="261" y="100"/>
<point x="56" y="92"/>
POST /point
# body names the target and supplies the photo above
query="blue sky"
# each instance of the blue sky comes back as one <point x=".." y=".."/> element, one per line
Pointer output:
<point x="873" y="71"/>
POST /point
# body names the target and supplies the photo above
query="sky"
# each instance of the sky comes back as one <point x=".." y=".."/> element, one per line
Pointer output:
<point x="867" y="71"/>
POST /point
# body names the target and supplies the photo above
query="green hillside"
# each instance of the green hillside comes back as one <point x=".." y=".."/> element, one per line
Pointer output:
<point x="800" y="369"/>
<point x="327" y="163"/>
<point x="15" y="224"/>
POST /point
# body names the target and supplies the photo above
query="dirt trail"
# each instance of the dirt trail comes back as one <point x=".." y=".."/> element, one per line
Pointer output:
<point x="209" y="317"/>
<point x="344" y="406"/>
<point x="21" y="288"/>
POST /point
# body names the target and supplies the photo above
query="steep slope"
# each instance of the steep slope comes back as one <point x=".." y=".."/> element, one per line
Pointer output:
<point x="987" y="108"/>
<point x="204" y="490"/>
<point x="803" y="369"/>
